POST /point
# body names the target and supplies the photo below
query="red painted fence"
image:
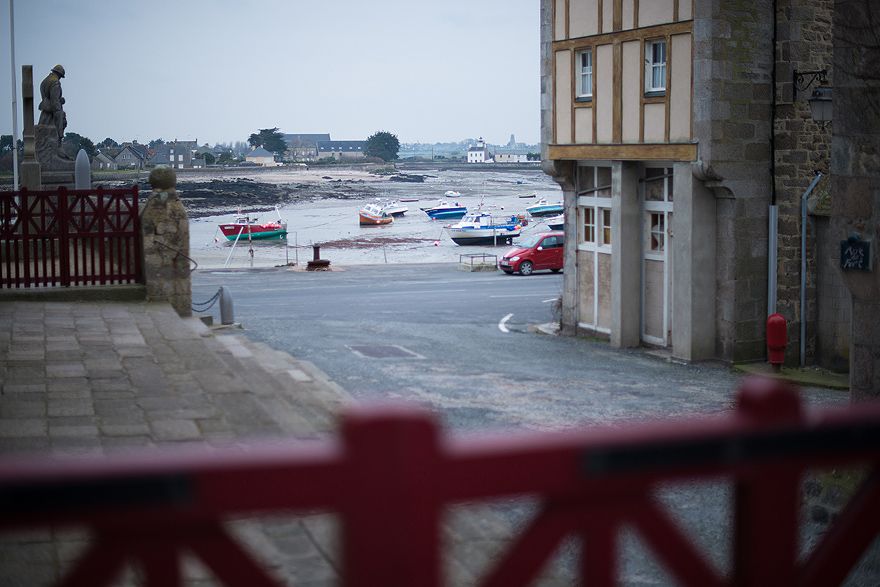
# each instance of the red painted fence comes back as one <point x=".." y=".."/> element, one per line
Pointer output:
<point x="392" y="474"/>
<point x="69" y="237"/>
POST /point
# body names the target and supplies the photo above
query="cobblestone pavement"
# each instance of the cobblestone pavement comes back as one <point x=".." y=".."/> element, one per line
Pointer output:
<point x="82" y="379"/>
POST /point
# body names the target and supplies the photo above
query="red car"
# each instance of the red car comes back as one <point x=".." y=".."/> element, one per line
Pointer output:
<point x="540" y="251"/>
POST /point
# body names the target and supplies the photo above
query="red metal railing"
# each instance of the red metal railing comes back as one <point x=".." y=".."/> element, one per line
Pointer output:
<point x="69" y="237"/>
<point x="392" y="474"/>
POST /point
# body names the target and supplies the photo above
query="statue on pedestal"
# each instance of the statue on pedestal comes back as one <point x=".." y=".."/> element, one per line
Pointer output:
<point x="49" y="131"/>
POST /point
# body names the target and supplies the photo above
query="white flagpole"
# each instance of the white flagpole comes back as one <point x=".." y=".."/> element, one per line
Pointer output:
<point x="14" y="98"/>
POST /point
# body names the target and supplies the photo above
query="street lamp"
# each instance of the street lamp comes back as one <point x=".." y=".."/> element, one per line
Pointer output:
<point x="820" y="100"/>
<point x="820" y="104"/>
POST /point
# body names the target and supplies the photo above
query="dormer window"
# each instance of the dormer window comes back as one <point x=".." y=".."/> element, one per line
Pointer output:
<point x="655" y="67"/>
<point x="585" y="74"/>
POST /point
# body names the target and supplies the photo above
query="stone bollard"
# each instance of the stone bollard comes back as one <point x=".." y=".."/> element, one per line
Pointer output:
<point x="165" y="229"/>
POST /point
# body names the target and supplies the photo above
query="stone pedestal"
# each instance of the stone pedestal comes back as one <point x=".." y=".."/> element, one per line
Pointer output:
<point x="56" y="170"/>
<point x="165" y="229"/>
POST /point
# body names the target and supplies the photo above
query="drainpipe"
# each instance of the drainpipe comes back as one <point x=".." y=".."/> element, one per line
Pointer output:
<point x="773" y="213"/>
<point x="804" y="265"/>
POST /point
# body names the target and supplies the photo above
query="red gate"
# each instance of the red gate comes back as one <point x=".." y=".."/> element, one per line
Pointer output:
<point x="69" y="237"/>
<point x="392" y="474"/>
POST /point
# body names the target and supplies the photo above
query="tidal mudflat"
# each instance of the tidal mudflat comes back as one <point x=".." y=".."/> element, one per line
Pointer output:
<point x="321" y="208"/>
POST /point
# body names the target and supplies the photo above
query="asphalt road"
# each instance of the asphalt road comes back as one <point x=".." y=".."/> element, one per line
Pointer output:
<point x="461" y="343"/>
<point x="464" y="344"/>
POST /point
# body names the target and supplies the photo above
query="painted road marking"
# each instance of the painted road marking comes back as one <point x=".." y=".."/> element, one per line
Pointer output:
<point x="548" y="301"/>
<point x="501" y="325"/>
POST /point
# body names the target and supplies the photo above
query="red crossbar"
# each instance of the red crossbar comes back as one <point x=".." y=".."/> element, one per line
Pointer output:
<point x="392" y="474"/>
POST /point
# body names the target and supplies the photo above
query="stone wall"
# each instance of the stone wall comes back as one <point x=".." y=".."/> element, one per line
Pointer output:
<point x="803" y="146"/>
<point x="733" y="63"/>
<point x="833" y="302"/>
<point x="856" y="183"/>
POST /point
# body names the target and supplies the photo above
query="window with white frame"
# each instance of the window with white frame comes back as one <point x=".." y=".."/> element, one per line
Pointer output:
<point x="655" y="66"/>
<point x="585" y="74"/>
<point x="589" y="233"/>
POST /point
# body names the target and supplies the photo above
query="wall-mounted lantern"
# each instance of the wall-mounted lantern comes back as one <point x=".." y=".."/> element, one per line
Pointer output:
<point x="820" y="104"/>
<point x="820" y="100"/>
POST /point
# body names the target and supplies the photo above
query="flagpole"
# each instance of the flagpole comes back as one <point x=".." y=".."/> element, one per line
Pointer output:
<point x="14" y="98"/>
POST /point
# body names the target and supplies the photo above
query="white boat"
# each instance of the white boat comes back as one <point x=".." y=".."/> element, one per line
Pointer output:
<point x="556" y="222"/>
<point x="392" y="207"/>
<point x="481" y="228"/>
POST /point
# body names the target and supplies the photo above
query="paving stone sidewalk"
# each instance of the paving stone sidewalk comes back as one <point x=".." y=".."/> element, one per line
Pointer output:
<point x="89" y="378"/>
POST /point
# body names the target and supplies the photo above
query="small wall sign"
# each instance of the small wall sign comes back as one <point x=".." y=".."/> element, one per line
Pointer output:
<point x="855" y="254"/>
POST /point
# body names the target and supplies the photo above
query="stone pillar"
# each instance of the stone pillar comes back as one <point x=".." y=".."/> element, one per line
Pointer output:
<point x="855" y="159"/>
<point x="693" y="252"/>
<point x="564" y="173"/>
<point x="165" y="228"/>
<point x="30" y="167"/>
<point x="626" y="244"/>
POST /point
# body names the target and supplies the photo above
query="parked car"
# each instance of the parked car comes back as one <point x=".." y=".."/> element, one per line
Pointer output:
<point x="536" y="252"/>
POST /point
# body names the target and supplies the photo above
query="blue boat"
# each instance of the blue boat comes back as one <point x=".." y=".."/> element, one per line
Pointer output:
<point x="481" y="228"/>
<point x="445" y="211"/>
<point x="544" y="208"/>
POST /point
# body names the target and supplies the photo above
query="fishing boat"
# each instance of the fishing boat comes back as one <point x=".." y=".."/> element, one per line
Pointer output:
<point x="373" y="214"/>
<point x="445" y="211"/>
<point x="481" y="228"/>
<point x="248" y="227"/>
<point x="544" y="208"/>
<point x="556" y="222"/>
<point x="392" y="207"/>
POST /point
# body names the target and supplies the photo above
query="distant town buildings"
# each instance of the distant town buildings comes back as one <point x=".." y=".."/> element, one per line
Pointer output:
<point x="301" y="147"/>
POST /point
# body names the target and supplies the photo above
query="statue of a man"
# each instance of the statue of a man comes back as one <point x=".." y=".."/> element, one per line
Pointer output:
<point x="52" y="103"/>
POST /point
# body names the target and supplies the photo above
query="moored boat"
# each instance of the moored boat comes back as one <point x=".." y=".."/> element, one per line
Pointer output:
<point x="445" y="211"/>
<point x="248" y="227"/>
<point x="392" y="207"/>
<point x="544" y="208"/>
<point x="556" y="222"/>
<point x="374" y="215"/>
<point x="481" y="228"/>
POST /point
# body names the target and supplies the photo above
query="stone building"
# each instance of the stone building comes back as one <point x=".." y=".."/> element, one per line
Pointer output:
<point x="676" y="135"/>
<point x="342" y="150"/>
<point x="304" y="147"/>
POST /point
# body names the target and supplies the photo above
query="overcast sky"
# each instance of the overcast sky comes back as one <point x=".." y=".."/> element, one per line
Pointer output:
<point x="218" y="70"/>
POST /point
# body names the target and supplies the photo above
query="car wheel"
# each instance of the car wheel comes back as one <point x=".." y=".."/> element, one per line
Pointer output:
<point x="525" y="268"/>
<point x="556" y="270"/>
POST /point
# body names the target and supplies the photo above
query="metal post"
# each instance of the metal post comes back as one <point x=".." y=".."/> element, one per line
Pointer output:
<point x="14" y="97"/>
<point x="227" y="314"/>
<point x="772" y="257"/>
<point x="804" y="266"/>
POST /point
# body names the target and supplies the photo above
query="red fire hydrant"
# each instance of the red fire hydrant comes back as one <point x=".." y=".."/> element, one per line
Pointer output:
<point x="777" y="339"/>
